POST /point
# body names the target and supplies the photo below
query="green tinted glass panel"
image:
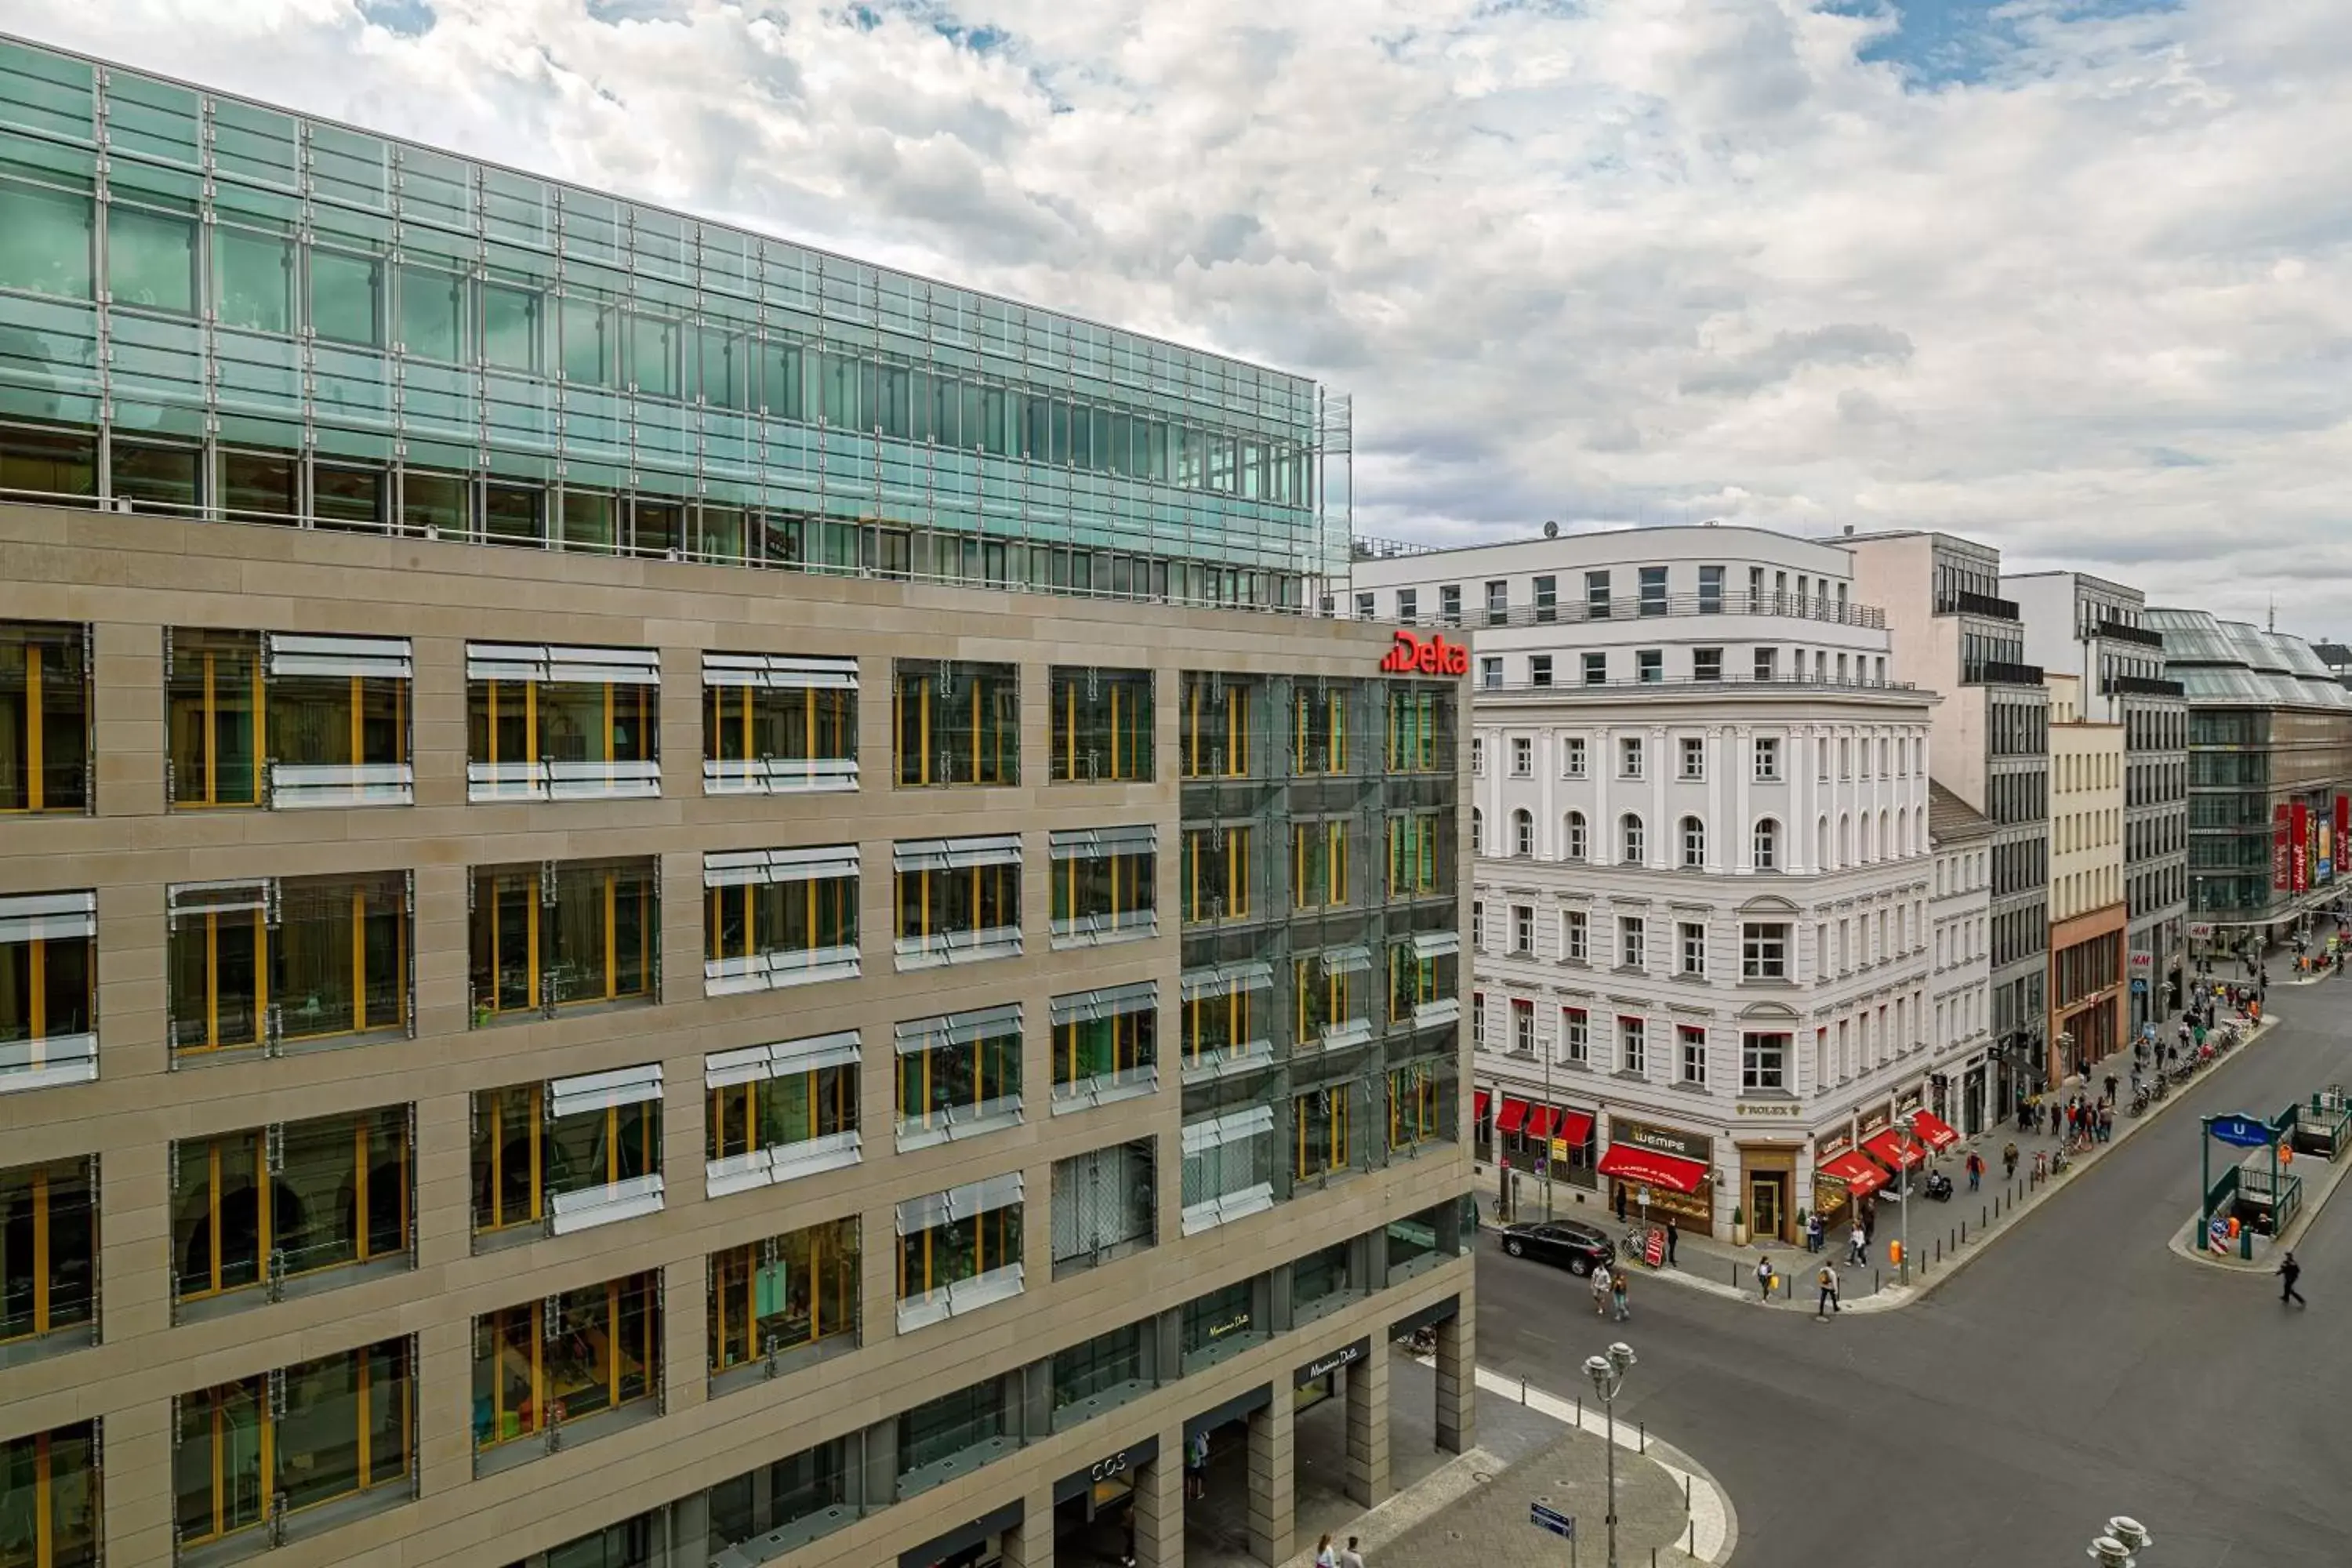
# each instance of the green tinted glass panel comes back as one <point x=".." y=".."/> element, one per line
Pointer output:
<point x="510" y="328"/>
<point x="45" y="240"/>
<point x="344" y="290"/>
<point x="150" y="259"/>
<point x="585" y="356"/>
<point x="432" y="313"/>
<point x="253" y="281"/>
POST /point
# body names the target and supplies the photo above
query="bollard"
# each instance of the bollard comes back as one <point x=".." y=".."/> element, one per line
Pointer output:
<point x="1523" y="1391"/>
<point x="1645" y="1428"/>
<point x="1734" y="1277"/>
<point x="1939" y="1249"/>
<point x="1580" y="1413"/>
<point x="1876" y="1282"/>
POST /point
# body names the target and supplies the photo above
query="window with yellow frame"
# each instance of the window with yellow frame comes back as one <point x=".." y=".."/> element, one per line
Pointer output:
<point x="314" y="1433"/>
<point x="1221" y="1020"/>
<point x="1105" y="883"/>
<point x="257" y="718"/>
<point x="1420" y="729"/>
<point x="956" y="723"/>
<point x="1219" y="874"/>
<point x="573" y="934"/>
<point x="1416" y="1110"/>
<point x="1217" y="723"/>
<point x="1318" y="864"/>
<point x="545" y="721"/>
<point x="1418" y="979"/>
<point x="273" y="964"/>
<point x="1416" y="854"/>
<point x="1102" y="725"/>
<point x="44" y="718"/>
<point x="957" y="1249"/>
<point x="1318" y="727"/>
<point x="48" y="1251"/>
<point x="958" y="1070"/>
<point x="525" y="1160"/>
<point x="267" y="1205"/>
<point x="778" y="1112"/>
<point x="945" y="908"/>
<point x="565" y="1358"/>
<point x="48" y="986"/>
<point x="1326" y="995"/>
<point x="783" y="1293"/>
<point x="781" y="932"/>
<point x="1322" y="1128"/>
<point x="772" y="722"/>
<point x="214" y="706"/>
<point x="49" y="1485"/>
<point x="1105" y="1049"/>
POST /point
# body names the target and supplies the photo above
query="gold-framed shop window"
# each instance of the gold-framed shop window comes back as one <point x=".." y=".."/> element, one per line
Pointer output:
<point x="956" y="723"/>
<point x="1218" y="873"/>
<point x="566" y="1357"/>
<point x="1115" y="1048"/>
<point x="771" y="1113"/>
<point x="1322" y="1123"/>
<point x="1318" y="727"/>
<point x="957" y="1249"/>
<point x="1318" y="864"/>
<point x="1215" y="1025"/>
<point x="783" y="1293"/>
<point x="1217" y="724"/>
<point x="1416" y="1112"/>
<point x="268" y="1206"/>
<point x="1102" y="724"/>
<point x="1416" y="858"/>
<point x="776" y="932"/>
<point x="1101" y="891"/>
<point x="314" y="1433"/>
<point x="569" y="934"/>
<point x="49" y="1485"/>
<point x="1420" y="729"/>
<point x="773" y="723"/>
<point x="44" y="718"/>
<point x="213" y="719"/>
<point x="548" y="722"/>
<point x="49" y="1251"/>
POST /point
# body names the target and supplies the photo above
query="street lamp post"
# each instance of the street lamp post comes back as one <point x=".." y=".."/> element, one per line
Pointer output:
<point x="1608" y="1375"/>
<point x="1547" y="1152"/>
<point x="1903" y="1147"/>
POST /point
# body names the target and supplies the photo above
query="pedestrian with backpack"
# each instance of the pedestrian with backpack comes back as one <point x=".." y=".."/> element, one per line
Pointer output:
<point x="1827" y="1280"/>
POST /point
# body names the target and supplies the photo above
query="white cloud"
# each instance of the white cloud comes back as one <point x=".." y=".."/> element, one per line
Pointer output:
<point x="1647" y="259"/>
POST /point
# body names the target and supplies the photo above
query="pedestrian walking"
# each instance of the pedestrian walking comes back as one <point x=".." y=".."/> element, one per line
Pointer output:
<point x="1857" y="1247"/>
<point x="2290" y="1271"/>
<point x="1600" y="1290"/>
<point x="1352" y="1556"/>
<point x="1827" y="1282"/>
<point x="1196" y="1466"/>
<point x="1763" y="1276"/>
<point x="1620" y="1203"/>
<point x="1673" y="1235"/>
<point x="2008" y="1160"/>
<point x="1813" y="1229"/>
<point x="1325" y="1555"/>
<point x="2111" y="1089"/>
<point x="1869" y="1222"/>
<point x="1975" y="1169"/>
<point x="2106" y="1123"/>
<point x="1617" y="1297"/>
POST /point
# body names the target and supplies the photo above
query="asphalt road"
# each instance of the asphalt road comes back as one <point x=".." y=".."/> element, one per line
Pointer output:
<point x="2078" y="1370"/>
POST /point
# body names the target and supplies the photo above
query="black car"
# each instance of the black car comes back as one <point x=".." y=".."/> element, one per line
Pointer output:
<point x="1579" y="1246"/>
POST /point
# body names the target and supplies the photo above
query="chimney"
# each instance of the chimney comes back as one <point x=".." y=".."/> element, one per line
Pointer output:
<point x="1849" y="530"/>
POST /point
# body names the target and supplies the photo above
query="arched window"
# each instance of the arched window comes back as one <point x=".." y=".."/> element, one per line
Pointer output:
<point x="1477" y="831"/>
<point x="1845" y="838"/>
<point x="1629" y="833"/>
<point x="1885" y="840"/>
<point x="1523" y="834"/>
<point x="1767" y="845"/>
<point x="1694" y="833"/>
<point x="1575" y="844"/>
<point x="1822" y="842"/>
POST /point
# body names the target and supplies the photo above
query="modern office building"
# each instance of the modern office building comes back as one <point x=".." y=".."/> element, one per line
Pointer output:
<point x="1960" y="911"/>
<point x="1702" y="888"/>
<point x="2270" y="777"/>
<point x="1952" y="631"/>
<point x="2088" y="1015"/>
<point x="558" y="774"/>
<point x="2096" y="630"/>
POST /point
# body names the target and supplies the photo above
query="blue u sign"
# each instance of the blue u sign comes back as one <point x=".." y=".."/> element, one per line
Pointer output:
<point x="2246" y="1131"/>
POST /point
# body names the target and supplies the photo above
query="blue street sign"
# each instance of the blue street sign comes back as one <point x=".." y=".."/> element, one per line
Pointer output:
<point x="2140" y="986"/>
<point x="2246" y="1131"/>
<point x="1542" y="1518"/>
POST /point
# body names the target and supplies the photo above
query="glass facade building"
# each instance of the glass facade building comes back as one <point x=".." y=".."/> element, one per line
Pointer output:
<point x="219" y="309"/>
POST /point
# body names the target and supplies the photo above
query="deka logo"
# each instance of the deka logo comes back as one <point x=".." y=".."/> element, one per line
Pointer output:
<point x="1411" y="655"/>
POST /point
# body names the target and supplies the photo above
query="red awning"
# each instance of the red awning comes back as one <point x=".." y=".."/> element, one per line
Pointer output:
<point x="1894" y="1155"/>
<point x="1540" y="1119"/>
<point x="1934" y="1130"/>
<point x="1575" y="1127"/>
<point x="1633" y="1164"/>
<point x="1480" y="1114"/>
<point x="1854" y="1169"/>
<point x="1514" y="1112"/>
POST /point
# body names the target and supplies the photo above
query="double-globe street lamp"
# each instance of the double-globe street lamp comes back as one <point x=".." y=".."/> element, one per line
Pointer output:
<point x="1608" y="1374"/>
<point x="2125" y="1536"/>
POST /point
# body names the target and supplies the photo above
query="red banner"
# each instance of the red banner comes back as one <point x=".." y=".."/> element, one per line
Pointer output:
<point x="2299" y="841"/>
<point x="2343" y="818"/>
<point x="2282" y="861"/>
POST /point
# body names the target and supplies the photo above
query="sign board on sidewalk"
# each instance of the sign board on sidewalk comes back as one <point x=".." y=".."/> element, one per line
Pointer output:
<point x="1653" y="1248"/>
<point x="1560" y="1524"/>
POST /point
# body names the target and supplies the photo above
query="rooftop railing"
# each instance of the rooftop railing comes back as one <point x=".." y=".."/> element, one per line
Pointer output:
<point x="1962" y="602"/>
<point x="2118" y="632"/>
<point x="1575" y="612"/>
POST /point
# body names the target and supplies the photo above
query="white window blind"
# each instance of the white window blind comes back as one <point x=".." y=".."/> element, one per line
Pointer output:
<point x="785" y="672"/>
<point x="600" y="1090"/>
<point x="954" y="854"/>
<point x="919" y="1214"/>
<point x="376" y="659"/>
<point x="958" y="1028"/>
<point x="754" y="1063"/>
<point x="47" y="916"/>
<point x="1111" y="1002"/>
<point x="751" y="868"/>
<point x="1096" y="842"/>
<point x="573" y="665"/>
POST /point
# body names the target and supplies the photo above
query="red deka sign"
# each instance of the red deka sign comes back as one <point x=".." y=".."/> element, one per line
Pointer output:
<point x="1411" y="655"/>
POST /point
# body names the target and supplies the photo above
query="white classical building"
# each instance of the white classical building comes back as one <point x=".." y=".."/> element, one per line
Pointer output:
<point x="1702" y="921"/>
<point x="1959" y="1037"/>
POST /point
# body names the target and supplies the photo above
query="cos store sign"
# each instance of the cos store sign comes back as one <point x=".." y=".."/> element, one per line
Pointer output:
<point x="1110" y="1476"/>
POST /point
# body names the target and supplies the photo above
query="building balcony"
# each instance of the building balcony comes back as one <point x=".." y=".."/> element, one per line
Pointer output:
<point x="1961" y="602"/>
<point x="2142" y="686"/>
<point x="2002" y="672"/>
<point x="2117" y="632"/>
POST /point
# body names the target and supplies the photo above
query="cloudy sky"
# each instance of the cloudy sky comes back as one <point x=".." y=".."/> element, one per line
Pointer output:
<point x="2070" y="276"/>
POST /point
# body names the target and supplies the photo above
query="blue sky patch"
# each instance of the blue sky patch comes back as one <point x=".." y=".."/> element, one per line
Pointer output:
<point x="1946" y="42"/>
<point x="407" y="18"/>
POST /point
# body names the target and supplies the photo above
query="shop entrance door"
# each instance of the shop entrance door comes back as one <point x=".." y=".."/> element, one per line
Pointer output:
<point x="1765" y="1207"/>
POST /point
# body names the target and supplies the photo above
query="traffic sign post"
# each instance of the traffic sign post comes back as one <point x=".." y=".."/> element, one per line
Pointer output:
<point x="1559" y="1523"/>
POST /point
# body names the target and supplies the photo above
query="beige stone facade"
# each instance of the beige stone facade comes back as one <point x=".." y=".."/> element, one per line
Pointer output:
<point x="131" y="579"/>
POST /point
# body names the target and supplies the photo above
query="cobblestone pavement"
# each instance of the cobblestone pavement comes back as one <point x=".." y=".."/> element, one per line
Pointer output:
<point x="1488" y="1527"/>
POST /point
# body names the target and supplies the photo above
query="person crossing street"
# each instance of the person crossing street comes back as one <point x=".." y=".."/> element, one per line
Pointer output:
<point x="1827" y="1282"/>
<point x="2289" y="1272"/>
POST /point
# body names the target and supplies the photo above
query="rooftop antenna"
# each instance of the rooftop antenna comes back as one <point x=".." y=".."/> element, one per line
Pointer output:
<point x="2273" y="620"/>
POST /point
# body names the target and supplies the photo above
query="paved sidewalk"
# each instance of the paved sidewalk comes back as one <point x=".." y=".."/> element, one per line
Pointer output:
<point x="1937" y="1246"/>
